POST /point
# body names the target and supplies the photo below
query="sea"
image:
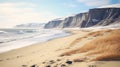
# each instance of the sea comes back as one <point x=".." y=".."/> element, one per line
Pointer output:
<point x="11" y="39"/>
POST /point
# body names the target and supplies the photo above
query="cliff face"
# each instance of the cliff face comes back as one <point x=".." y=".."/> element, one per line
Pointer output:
<point x="102" y="17"/>
<point x="53" y="24"/>
<point x="95" y="17"/>
<point x="79" y="19"/>
<point x="66" y="22"/>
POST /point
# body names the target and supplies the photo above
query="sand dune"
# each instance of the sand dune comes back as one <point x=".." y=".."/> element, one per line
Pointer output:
<point x="104" y="46"/>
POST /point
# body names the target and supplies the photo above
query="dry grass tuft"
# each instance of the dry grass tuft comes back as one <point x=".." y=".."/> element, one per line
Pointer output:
<point x="98" y="33"/>
<point x="107" y="56"/>
<point x="105" y="47"/>
<point x="78" y="60"/>
<point x="92" y="34"/>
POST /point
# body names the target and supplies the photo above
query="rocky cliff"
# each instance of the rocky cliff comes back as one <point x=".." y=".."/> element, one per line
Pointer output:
<point x="53" y="24"/>
<point x="102" y="17"/>
<point x="73" y="21"/>
<point x="94" y="17"/>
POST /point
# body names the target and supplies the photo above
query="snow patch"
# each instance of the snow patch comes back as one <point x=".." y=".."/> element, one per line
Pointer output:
<point x="95" y="20"/>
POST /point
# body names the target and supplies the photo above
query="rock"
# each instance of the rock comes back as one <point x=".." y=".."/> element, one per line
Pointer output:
<point x="58" y="59"/>
<point x="43" y="62"/>
<point x="63" y="65"/>
<point x="69" y="62"/>
<point x="24" y="65"/>
<point x="52" y="61"/>
<point x="33" y="66"/>
<point x="48" y="66"/>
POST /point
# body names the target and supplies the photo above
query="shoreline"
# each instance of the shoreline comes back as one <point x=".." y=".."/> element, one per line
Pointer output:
<point x="42" y="54"/>
<point x="34" y="44"/>
<point x="24" y="55"/>
<point x="28" y="43"/>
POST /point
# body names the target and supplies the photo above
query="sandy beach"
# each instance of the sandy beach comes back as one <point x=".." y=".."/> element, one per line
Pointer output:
<point x="53" y="53"/>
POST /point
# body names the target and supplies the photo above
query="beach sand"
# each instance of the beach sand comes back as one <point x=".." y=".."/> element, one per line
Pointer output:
<point x="48" y="54"/>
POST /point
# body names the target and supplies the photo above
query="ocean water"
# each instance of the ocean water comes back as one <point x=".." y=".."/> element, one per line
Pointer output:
<point x="17" y="38"/>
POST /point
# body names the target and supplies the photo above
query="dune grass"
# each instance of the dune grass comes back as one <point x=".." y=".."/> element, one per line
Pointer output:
<point x="105" y="47"/>
<point x="92" y="34"/>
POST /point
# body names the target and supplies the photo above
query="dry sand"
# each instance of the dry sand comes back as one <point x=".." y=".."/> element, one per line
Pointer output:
<point x="48" y="53"/>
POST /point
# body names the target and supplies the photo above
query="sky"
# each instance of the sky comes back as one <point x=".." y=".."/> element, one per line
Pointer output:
<point x="14" y="12"/>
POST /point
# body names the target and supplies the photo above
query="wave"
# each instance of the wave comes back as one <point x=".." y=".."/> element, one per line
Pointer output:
<point x="17" y="38"/>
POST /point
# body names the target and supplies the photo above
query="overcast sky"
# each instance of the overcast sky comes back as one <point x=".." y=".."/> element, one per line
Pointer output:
<point x="14" y="12"/>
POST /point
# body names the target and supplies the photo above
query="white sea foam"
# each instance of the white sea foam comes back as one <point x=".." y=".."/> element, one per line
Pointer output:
<point x="13" y="39"/>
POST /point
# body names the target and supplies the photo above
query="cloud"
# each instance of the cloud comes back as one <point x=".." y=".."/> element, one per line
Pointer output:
<point x="94" y="2"/>
<point x="18" y="13"/>
<point x="109" y="6"/>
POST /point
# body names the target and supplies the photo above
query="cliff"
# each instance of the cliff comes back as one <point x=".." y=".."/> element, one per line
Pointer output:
<point x="73" y="21"/>
<point x="94" y="17"/>
<point x="102" y="17"/>
<point x="53" y="24"/>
